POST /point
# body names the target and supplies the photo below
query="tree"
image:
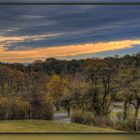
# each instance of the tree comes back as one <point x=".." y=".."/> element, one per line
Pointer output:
<point x="107" y="79"/>
<point x="129" y="81"/>
<point x="66" y="103"/>
<point x="57" y="87"/>
<point x="100" y="75"/>
<point x="34" y="91"/>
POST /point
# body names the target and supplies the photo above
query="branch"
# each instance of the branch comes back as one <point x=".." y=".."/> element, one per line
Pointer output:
<point x="133" y="104"/>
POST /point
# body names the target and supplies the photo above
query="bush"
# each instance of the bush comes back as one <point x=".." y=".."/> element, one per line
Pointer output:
<point x="4" y="103"/>
<point x="89" y="119"/>
<point x="103" y="122"/>
<point x="46" y="110"/>
<point x="43" y="109"/>
<point x="128" y="124"/>
<point x="82" y="117"/>
<point x="16" y="108"/>
<point x="77" y="117"/>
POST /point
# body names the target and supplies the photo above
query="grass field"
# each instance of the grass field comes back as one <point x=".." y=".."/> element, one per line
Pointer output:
<point x="40" y="126"/>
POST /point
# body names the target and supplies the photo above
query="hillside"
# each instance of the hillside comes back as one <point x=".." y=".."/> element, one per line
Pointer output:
<point x="42" y="126"/>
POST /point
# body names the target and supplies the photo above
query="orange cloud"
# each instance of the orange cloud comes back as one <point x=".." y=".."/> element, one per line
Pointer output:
<point x="63" y="51"/>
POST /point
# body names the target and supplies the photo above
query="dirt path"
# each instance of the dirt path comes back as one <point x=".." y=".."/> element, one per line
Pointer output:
<point x="61" y="117"/>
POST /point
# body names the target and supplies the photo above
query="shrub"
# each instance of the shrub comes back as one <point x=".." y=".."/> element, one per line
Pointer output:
<point x="4" y="103"/>
<point x="77" y="117"/>
<point x="14" y="108"/>
<point x="82" y="117"/>
<point x="43" y="109"/>
<point x="128" y="124"/>
<point x="89" y="119"/>
<point x="102" y="122"/>
<point x="18" y="109"/>
<point x="119" y="116"/>
<point x="46" y="110"/>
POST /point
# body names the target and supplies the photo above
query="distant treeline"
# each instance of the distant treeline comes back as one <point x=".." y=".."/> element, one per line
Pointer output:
<point x="92" y="84"/>
<point x="54" y="66"/>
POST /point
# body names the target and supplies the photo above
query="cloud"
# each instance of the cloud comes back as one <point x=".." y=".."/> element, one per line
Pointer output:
<point x="76" y="24"/>
<point x="64" y="51"/>
<point x="37" y="32"/>
<point x="8" y="41"/>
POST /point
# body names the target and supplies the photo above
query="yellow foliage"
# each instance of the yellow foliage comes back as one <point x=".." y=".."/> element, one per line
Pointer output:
<point x="57" y="87"/>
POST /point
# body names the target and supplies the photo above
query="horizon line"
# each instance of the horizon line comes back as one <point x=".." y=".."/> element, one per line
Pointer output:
<point x="95" y="58"/>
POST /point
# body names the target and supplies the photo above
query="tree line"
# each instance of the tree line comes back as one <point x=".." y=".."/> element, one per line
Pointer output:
<point x="93" y="84"/>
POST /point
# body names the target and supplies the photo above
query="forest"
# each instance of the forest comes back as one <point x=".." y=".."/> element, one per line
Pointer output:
<point x="87" y="89"/>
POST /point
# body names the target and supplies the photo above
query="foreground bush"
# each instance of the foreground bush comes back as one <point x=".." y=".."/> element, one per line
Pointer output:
<point x="14" y="108"/>
<point x="17" y="108"/>
<point x="118" y="122"/>
<point x="128" y="124"/>
<point x="89" y="119"/>
<point x="82" y="117"/>
<point x="42" y="110"/>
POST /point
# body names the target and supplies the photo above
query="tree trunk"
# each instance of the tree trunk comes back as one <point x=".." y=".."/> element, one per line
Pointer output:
<point x="136" y="118"/>
<point x="136" y="115"/>
<point x="125" y="113"/>
<point x="68" y="110"/>
<point x="57" y="107"/>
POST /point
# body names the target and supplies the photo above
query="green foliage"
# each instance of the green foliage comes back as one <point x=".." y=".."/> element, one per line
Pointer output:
<point x="18" y="108"/>
<point x="14" y="108"/>
<point x="4" y="107"/>
<point x="101" y="76"/>
<point x="88" y="118"/>
<point x="82" y="117"/>
<point x="127" y="124"/>
<point x="43" y="111"/>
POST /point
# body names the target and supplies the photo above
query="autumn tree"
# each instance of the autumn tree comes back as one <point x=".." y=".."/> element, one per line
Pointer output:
<point x="100" y="76"/>
<point x="130" y="90"/>
<point x="57" y="87"/>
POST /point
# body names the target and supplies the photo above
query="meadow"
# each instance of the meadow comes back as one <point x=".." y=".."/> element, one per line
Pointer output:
<point x="43" y="126"/>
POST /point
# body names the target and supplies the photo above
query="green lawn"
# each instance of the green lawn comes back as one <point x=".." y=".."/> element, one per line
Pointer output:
<point x="47" y="126"/>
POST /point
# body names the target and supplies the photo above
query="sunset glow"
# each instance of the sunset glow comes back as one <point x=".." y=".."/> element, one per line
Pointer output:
<point x="63" y="51"/>
<point x="67" y="32"/>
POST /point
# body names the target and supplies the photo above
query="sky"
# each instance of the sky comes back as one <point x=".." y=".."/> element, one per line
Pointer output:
<point x="29" y="33"/>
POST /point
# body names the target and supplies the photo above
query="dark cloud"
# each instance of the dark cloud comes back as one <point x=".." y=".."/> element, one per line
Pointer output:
<point x="71" y="24"/>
